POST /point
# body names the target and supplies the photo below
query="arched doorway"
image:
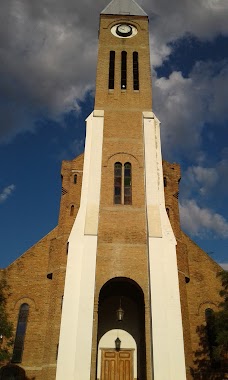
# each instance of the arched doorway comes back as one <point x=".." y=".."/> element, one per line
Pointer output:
<point x="127" y="293"/>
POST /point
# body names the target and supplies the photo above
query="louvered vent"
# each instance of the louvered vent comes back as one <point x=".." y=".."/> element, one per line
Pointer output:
<point x="64" y="191"/>
<point x="176" y="195"/>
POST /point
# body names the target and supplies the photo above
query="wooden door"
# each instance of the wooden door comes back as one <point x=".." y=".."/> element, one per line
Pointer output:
<point x="117" y="365"/>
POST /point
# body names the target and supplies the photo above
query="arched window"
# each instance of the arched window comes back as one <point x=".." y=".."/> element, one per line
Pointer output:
<point x="123" y="70"/>
<point x="75" y="179"/>
<point x="72" y="210"/>
<point x="122" y="188"/>
<point x="135" y="71"/>
<point x="117" y="182"/>
<point x="127" y="184"/>
<point x="111" y="80"/>
<point x="210" y="330"/>
<point x="20" y="333"/>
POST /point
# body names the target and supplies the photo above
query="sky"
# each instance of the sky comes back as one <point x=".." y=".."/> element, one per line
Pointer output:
<point x="48" y="52"/>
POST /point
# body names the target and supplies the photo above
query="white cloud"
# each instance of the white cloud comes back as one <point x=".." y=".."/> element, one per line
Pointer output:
<point x="201" y="178"/>
<point x="48" y="60"/>
<point x="49" y="50"/>
<point x="171" y="20"/>
<point x="200" y="221"/>
<point x="203" y="182"/>
<point x="6" y="192"/>
<point x="183" y="105"/>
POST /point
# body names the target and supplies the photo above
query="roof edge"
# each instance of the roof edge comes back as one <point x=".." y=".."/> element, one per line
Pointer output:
<point x="124" y="8"/>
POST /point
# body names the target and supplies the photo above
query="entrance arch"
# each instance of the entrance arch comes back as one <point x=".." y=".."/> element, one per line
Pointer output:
<point x="124" y="291"/>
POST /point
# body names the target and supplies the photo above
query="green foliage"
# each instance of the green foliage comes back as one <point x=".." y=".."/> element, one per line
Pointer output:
<point x="211" y="358"/>
<point x="6" y="328"/>
<point x="220" y="323"/>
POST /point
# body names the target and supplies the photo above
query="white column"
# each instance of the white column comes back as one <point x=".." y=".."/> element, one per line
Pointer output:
<point x="167" y="331"/>
<point x="75" y="344"/>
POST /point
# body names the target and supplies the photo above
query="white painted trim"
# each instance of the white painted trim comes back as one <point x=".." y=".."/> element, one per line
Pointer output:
<point x="167" y="331"/>
<point x="75" y="343"/>
<point x="107" y="341"/>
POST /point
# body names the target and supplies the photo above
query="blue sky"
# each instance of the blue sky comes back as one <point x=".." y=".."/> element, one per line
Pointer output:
<point x="47" y="75"/>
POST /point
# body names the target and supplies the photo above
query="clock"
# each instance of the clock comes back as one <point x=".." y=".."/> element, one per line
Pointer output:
<point x="124" y="30"/>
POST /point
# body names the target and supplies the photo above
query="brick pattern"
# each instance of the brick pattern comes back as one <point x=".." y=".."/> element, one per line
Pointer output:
<point x="27" y="278"/>
<point x="122" y="233"/>
<point x="125" y="249"/>
<point x="118" y="99"/>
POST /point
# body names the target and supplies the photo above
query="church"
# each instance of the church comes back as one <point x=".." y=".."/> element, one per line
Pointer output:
<point x="116" y="291"/>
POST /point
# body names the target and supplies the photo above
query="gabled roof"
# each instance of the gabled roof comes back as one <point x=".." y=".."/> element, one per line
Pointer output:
<point x="123" y="7"/>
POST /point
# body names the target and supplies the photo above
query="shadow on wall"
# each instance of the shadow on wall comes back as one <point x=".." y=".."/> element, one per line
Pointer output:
<point x="13" y="372"/>
<point x="205" y="366"/>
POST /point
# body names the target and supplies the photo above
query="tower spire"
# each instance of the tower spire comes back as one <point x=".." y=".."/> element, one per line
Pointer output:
<point x="123" y="7"/>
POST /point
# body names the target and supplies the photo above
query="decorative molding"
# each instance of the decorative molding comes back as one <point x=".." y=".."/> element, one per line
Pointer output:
<point x="119" y="153"/>
<point x="25" y="299"/>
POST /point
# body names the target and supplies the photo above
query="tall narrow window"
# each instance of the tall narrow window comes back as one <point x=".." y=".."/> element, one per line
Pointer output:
<point x="123" y="70"/>
<point x="127" y="184"/>
<point x="211" y="338"/>
<point x="122" y="183"/>
<point x="72" y="210"/>
<point x="111" y="70"/>
<point x="117" y="182"/>
<point x="20" y="333"/>
<point x="135" y="71"/>
<point x="75" y="179"/>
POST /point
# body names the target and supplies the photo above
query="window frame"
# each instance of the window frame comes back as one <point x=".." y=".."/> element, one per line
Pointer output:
<point x="123" y="182"/>
<point x="111" y="75"/>
<point x="127" y="186"/>
<point x="118" y="167"/>
<point x="123" y="70"/>
<point x="22" y="323"/>
<point x="135" y="68"/>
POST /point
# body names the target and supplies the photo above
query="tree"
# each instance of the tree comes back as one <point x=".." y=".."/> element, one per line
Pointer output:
<point x="220" y="351"/>
<point x="211" y="358"/>
<point x="6" y="327"/>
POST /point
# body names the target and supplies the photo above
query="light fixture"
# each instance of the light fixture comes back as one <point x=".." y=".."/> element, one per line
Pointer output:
<point x="117" y="343"/>
<point x="120" y="313"/>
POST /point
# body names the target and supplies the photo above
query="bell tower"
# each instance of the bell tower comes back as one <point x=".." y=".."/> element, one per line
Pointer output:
<point x="121" y="316"/>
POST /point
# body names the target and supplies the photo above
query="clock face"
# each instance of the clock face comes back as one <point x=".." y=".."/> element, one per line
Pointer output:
<point x="124" y="30"/>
